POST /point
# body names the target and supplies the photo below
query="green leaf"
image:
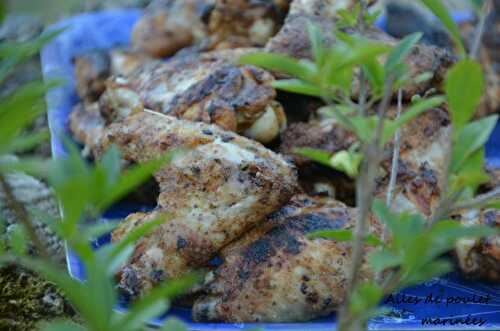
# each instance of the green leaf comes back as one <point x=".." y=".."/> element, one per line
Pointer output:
<point x="343" y="235"/>
<point x="279" y="63"/>
<point x="375" y="74"/>
<point x="316" y="155"/>
<point x="410" y="113"/>
<point x="337" y="235"/>
<point x="471" y="174"/>
<point x="359" y="50"/>
<point x="365" y="297"/>
<point x="383" y="259"/>
<point x="347" y="162"/>
<point x="402" y="49"/>
<point x="469" y="139"/>
<point x="16" y="53"/>
<point x="464" y="87"/>
<point x="297" y="86"/>
<point x="317" y="45"/>
<point x="27" y="142"/>
<point x="438" y="8"/>
<point x="18" y="240"/>
<point x="133" y="236"/>
<point x="433" y="269"/>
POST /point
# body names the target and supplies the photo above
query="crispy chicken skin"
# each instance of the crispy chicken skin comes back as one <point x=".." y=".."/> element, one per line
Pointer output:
<point x="214" y="192"/>
<point x="480" y="258"/>
<point x="170" y="25"/>
<point x="275" y="273"/>
<point x="293" y="40"/>
<point x="207" y="88"/>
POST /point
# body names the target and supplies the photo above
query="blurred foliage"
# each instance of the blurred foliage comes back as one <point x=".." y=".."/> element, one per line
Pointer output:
<point x="84" y="192"/>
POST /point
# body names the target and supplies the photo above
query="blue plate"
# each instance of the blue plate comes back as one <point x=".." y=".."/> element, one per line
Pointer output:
<point x="112" y="28"/>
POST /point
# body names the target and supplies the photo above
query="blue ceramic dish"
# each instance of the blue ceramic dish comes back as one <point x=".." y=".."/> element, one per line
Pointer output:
<point x="112" y="28"/>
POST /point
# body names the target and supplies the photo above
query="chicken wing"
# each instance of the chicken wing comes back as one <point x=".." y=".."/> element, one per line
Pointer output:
<point x="293" y="40"/>
<point x="420" y="164"/>
<point x="170" y="25"/>
<point x="276" y="273"/>
<point x="207" y="88"/>
<point x="214" y="192"/>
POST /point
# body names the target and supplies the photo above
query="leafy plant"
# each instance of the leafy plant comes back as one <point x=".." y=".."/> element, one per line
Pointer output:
<point x="84" y="192"/>
<point x="410" y="250"/>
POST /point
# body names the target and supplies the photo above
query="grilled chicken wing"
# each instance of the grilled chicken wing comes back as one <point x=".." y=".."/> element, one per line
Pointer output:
<point x="170" y="25"/>
<point x="276" y="273"/>
<point x="420" y="164"/>
<point x="293" y="40"/>
<point x="207" y="88"/>
<point x="217" y="190"/>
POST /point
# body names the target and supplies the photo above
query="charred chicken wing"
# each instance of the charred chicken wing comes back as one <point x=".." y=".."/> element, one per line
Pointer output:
<point x="214" y="192"/>
<point x="276" y="273"/>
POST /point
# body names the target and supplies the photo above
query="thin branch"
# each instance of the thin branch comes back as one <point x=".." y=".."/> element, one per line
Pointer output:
<point x="22" y="216"/>
<point x="478" y="37"/>
<point x="479" y="201"/>
<point x="395" y="156"/>
<point x="365" y="188"/>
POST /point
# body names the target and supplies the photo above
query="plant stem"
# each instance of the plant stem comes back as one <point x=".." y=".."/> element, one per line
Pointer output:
<point x="365" y="188"/>
<point x="476" y="44"/>
<point x="395" y="157"/>
<point x="478" y="201"/>
<point x="22" y="216"/>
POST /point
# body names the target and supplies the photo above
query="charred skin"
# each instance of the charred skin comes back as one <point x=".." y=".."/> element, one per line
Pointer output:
<point x="276" y="273"/>
<point x="218" y="189"/>
<point x="92" y="69"/>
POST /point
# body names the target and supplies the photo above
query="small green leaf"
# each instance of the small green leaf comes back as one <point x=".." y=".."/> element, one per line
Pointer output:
<point x="402" y="49"/>
<point x="464" y="87"/>
<point x="18" y="240"/>
<point x="438" y="8"/>
<point x="347" y="162"/>
<point x="471" y="174"/>
<point x="338" y="235"/>
<point x="469" y="139"/>
<point x="382" y="259"/>
<point x="27" y="142"/>
<point x="297" y="86"/>
<point x="365" y="297"/>
<point x="279" y="63"/>
<point x="317" y="45"/>
<point x="316" y="155"/>
<point x="133" y="236"/>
